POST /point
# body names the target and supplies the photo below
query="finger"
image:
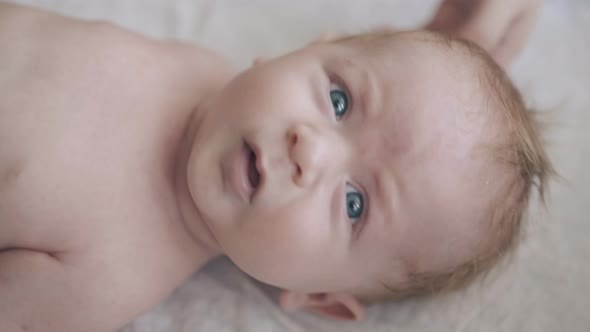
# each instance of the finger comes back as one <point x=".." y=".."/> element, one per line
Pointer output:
<point x="451" y="14"/>
<point x="444" y="19"/>
<point x="488" y="24"/>
<point x="515" y="38"/>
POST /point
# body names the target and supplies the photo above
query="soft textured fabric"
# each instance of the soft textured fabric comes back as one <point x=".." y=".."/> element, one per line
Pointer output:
<point x="545" y="288"/>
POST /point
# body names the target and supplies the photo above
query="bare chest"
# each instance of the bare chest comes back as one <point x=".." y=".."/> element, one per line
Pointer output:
<point x="90" y="117"/>
<point x="77" y="181"/>
<point x="98" y="196"/>
<point x="84" y="160"/>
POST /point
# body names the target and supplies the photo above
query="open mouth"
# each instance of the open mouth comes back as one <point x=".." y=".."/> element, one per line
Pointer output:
<point x="253" y="173"/>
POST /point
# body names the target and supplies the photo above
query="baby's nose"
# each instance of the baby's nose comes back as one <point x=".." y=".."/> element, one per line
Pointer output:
<point x="309" y="151"/>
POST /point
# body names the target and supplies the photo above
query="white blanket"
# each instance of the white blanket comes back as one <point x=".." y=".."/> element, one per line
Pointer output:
<point x="546" y="287"/>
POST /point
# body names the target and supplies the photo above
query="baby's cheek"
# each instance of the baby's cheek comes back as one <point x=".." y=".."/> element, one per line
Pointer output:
<point x="293" y="231"/>
<point x="290" y="243"/>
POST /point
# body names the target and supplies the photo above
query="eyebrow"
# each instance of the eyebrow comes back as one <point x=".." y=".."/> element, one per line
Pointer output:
<point x="372" y="106"/>
<point x="374" y="203"/>
<point x="369" y="94"/>
<point x="377" y="196"/>
<point x="368" y="84"/>
<point x="382" y="198"/>
<point x="367" y="91"/>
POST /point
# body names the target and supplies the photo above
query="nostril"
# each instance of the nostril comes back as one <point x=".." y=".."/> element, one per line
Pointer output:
<point x="298" y="170"/>
<point x="293" y="139"/>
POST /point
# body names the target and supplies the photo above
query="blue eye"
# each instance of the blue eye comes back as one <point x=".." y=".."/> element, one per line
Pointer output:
<point x="339" y="101"/>
<point x="354" y="204"/>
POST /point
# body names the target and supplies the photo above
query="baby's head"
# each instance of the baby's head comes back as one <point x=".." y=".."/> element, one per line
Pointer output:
<point x="369" y="167"/>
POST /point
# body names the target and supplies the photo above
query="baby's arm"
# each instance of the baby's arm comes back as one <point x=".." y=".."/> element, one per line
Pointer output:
<point x="501" y="27"/>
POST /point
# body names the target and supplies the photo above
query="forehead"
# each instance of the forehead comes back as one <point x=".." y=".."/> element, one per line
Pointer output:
<point x="418" y="82"/>
<point x="427" y="106"/>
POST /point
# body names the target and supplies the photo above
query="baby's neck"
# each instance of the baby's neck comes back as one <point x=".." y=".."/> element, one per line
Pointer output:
<point x="190" y="216"/>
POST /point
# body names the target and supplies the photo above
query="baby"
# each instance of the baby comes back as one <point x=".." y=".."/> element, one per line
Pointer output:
<point x="351" y="171"/>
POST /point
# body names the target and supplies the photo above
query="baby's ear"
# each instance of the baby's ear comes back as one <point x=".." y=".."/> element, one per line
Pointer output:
<point x="333" y="305"/>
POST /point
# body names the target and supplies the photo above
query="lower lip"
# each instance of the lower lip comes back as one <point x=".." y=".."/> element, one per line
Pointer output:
<point x="238" y="173"/>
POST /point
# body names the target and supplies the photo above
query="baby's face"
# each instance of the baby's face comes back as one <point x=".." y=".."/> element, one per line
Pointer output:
<point x="364" y="165"/>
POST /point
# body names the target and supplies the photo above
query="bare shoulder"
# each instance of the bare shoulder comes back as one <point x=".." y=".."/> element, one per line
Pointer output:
<point x="205" y="67"/>
<point x="50" y="39"/>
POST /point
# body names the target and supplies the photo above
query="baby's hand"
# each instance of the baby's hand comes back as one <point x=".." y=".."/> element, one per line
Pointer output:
<point x="499" y="26"/>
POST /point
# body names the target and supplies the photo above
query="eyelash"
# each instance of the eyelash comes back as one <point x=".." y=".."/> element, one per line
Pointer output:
<point x="336" y="80"/>
<point x="357" y="226"/>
